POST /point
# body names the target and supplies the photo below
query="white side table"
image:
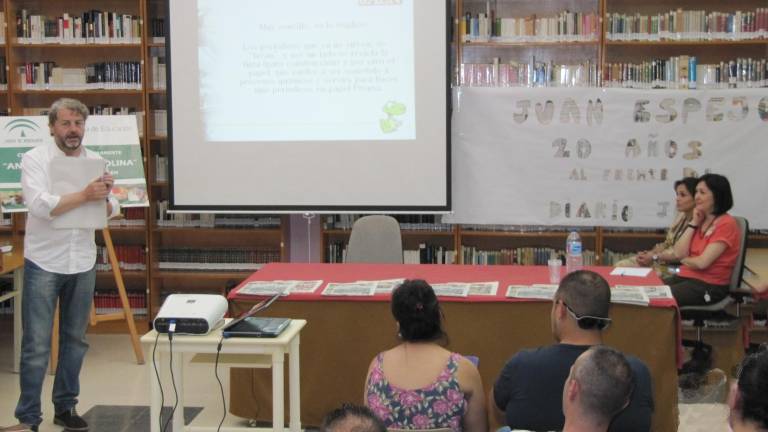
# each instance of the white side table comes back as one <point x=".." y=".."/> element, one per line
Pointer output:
<point x="246" y="348"/>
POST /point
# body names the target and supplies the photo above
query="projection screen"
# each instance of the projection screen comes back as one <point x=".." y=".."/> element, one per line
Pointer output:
<point x="307" y="105"/>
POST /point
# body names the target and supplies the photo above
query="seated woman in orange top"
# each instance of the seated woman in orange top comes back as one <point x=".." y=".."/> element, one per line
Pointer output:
<point x="419" y="384"/>
<point x="709" y="246"/>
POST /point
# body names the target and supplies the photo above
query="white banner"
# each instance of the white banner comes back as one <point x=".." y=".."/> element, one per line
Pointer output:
<point x="602" y="157"/>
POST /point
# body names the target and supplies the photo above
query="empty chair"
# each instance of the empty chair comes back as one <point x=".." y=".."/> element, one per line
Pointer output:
<point x="375" y="239"/>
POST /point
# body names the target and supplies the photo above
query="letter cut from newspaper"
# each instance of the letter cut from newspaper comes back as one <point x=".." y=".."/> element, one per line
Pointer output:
<point x="362" y="289"/>
<point x="451" y="289"/>
<point x="628" y="294"/>
<point x="483" y="288"/>
<point x="532" y="292"/>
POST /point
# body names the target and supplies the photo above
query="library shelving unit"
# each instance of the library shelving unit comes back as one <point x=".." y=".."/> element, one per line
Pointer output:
<point x="424" y="240"/>
<point x="43" y="64"/>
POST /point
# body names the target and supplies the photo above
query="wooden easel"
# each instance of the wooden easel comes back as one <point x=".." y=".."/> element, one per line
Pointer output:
<point x="126" y="314"/>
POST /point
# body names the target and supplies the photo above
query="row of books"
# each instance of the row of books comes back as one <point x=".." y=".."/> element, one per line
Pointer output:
<point x="211" y="220"/>
<point x="160" y="122"/>
<point x="157" y="28"/>
<point x="101" y="109"/>
<point x="683" y="72"/>
<point x="216" y="259"/>
<point x="336" y="252"/>
<point x="132" y="217"/>
<point x="109" y="302"/>
<point x="688" y="25"/>
<point x="161" y="168"/>
<point x="129" y="257"/>
<point x="533" y="74"/>
<point x="91" y="27"/>
<point x="565" y="26"/>
<point x="123" y="75"/>
<point x="157" y="68"/>
<point x="521" y="255"/>
<point x="407" y="222"/>
<point x="3" y="72"/>
<point x="525" y="229"/>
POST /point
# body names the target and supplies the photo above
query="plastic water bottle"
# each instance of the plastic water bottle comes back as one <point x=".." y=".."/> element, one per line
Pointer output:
<point x="573" y="257"/>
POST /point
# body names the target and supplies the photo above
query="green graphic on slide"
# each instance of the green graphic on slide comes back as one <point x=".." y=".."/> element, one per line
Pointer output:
<point x="392" y="109"/>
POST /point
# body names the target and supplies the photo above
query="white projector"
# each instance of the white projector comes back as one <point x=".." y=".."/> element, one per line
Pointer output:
<point x="195" y="314"/>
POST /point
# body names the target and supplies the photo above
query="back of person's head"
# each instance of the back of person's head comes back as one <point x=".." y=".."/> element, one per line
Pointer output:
<point x="721" y="192"/>
<point x="689" y="183"/>
<point x="604" y="378"/>
<point x="352" y="418"/>
<point x="752" y="400"/>
<point x="588" y="296"/>
<point x="417" y="311"/>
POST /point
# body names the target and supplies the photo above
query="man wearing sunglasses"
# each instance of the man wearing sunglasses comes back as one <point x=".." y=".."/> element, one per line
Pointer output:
<point x="528" y="392"/>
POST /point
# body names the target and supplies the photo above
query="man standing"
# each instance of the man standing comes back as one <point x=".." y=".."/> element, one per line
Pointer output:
<point x="528" y="392"/>
<point x="58" y="267"/>
<point x="597" y="388"/>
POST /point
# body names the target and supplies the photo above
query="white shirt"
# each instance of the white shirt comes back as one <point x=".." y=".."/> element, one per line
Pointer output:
<point x="65" y="251"/>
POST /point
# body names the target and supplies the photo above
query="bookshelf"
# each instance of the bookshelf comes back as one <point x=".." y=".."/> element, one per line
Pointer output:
<point x="119" y="68"/>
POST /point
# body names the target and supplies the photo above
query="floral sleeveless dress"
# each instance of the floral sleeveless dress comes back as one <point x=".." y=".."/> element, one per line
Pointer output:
<point x="442" y="404"/>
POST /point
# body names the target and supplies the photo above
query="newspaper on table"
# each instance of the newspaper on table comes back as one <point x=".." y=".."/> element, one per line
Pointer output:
<point x="451" y="289"/>
<point x="386" y="286"/>
<point x="537" y="292"/>
<point x="658" y="292"/>
<point x="284" y="287"/>
<point x="483" y="288"/>
<point x="305" y="286"/>
<point x="628" y="294"/>
<point x="362" y="289"/>
<point x="266" y="288"/>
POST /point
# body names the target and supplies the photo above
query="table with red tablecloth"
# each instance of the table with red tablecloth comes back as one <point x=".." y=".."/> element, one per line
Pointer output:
<point x="343" y="334"/>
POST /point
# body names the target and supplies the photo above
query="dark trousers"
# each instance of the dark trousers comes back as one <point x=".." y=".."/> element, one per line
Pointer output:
<point x="693" y="292"/>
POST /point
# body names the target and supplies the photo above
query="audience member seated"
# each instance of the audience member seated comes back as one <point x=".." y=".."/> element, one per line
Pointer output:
<point x="749" y="396"/>
<point x="598" y="387"/>
<point x="419" y="384"/>
<point x="662" y="253"/>
<point x="352" y="418"/>
<point x="527" y="393"/>
<point x="709" y="246"/>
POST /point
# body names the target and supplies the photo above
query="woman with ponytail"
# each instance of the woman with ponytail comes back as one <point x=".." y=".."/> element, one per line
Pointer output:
<point x="419" y="384"/>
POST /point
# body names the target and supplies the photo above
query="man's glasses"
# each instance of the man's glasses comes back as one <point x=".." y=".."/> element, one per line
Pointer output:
<point x="587" y="321"/>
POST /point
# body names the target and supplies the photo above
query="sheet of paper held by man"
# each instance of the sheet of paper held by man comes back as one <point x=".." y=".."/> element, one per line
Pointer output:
<point x="72" y="174"/>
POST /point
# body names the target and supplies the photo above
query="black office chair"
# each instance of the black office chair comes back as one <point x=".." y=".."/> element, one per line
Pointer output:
<point x="714" y="315"/>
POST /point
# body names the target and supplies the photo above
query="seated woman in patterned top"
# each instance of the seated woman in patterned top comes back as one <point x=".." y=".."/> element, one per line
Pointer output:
<point x="419" y="384"/>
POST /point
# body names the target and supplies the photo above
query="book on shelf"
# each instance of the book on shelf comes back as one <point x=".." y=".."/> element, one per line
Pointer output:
<point x="107" y="302"/>
<point x="688" y="25"/>
<point x="90" y="27"/>
<point x="160" y="122"/>
<point x="118" y="75"/>
<point x="129" y="257"/>
<point x="157" y="30"/>
<point x="529" y="74"/>
<point x="565" y="26"/>
<point x="683" y="71"/>
<point x="3" y="74"/>
<point x="216" y="259"/>
<point x="2" y="26"/>
<point x="157" y="67"/>
<point x="161" y="168"/>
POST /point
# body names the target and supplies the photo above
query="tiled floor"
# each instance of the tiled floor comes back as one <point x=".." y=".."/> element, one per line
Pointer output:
<point x="111" y="378"/>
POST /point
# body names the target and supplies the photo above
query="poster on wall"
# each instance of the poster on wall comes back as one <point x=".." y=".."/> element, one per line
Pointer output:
<point x="603" y="157"/>
<point x="114" y="137"/>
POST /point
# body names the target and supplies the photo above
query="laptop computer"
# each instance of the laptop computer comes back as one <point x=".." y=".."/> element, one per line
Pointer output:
<point x="249" y="326"/>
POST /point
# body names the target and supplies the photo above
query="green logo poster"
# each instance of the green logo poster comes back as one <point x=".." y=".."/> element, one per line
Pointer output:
<point x="115" y="138"/>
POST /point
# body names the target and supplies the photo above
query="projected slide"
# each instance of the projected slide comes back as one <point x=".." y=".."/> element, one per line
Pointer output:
<point x="301" y="71"/>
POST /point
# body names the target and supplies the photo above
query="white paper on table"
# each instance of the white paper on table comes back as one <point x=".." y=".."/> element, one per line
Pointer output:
<point x="350" y="289"/>
<point x="484" y="288"/>
<point x="451" y="289"/>
<point x="631" y="271"/>
<point x="538" y="292"/>
<point x="72" y="174"/>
